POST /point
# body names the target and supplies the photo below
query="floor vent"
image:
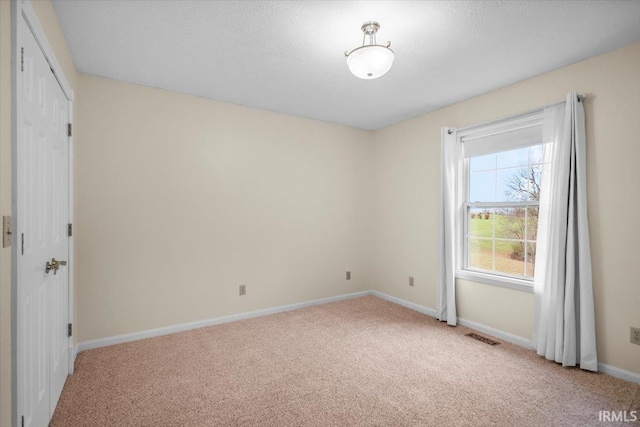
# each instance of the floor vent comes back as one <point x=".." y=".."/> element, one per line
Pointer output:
<point x="481" y="338"/>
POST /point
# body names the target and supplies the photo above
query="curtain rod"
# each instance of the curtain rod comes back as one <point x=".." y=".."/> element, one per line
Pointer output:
<point x="581" y="96"/>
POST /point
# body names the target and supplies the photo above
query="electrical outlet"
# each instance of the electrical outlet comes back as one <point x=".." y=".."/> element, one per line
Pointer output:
<point x="410" y="280"/>
<point x="635" y="336"/>
<point x="348" y="275"/>
<point x="243" y="290"/>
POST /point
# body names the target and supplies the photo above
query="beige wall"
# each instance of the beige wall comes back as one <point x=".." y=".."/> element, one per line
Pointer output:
<point x="49" y="22"/>
<point x="407" y="177"/>
<point x="182" y="199"/>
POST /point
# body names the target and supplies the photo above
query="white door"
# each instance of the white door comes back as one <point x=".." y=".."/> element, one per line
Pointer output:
<point x="42" y="202"/>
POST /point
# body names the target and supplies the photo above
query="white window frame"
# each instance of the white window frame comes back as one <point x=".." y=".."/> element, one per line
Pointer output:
<point x="462" y="271"/>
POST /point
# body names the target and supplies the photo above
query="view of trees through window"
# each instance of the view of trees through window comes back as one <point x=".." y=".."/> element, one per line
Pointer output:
<point x="502" y="213"/>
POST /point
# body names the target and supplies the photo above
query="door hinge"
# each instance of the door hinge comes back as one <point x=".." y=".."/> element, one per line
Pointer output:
<point x="6" y="231"/>
<point x="70" y="329"/>
<point x="23" y="421"/>
<point x="70" y="230"/>
<point x="22" y="241"/>
<point x="21" y="59"/>
<point x="69" y="129"/>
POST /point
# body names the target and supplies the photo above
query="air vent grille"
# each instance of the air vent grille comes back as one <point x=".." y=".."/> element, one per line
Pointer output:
<point x="481" y="338"/>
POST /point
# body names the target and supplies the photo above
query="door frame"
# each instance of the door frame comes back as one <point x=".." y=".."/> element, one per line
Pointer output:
<point x="23" y="9"/>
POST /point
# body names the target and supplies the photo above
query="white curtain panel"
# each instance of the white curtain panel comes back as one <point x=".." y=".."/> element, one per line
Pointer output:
<point x="446" y="306"/>
<point x="564" y="323"/>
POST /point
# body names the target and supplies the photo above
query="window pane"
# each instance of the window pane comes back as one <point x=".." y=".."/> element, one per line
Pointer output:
<point x="510" y="223"/>
<point x="536" y="154"/>
<point x="482" y="163"/>
<point x="532" y="223"/>
<point x="507" y="159"/>
<point x="519" y="184"/>
<point x="510" y="258"/>
<point x="531" y="259"/>
<point x="503" y="240"/>
<point x="481" y="254"/>
<point x="481" y="222"/>
<point x="482" y="186"/>
<point x="534" y="180"/>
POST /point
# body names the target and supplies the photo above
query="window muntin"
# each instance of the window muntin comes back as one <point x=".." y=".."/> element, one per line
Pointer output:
<point x="501" y="212"/>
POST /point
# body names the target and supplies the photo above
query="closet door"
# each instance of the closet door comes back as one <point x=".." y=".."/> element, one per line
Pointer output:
<point x="42" y="242"/>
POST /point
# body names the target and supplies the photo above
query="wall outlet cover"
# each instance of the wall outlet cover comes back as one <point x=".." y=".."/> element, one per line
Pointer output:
<point x="243" y="289"/>
<point x="348" y="275"/>
<point x="635" y="335"/>
<point x="411" y="281"/>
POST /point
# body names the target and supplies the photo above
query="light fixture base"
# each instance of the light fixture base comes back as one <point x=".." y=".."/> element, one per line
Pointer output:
<point x="370" y="28"/>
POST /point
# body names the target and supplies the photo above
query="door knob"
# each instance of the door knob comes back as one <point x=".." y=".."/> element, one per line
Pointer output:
<point x="54" y="265"/>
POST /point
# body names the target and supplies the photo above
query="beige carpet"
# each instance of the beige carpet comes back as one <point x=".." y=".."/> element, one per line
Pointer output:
<point x="363" y="361"/>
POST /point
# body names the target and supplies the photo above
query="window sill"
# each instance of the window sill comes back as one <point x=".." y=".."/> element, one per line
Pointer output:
<point x="491" y="279"/>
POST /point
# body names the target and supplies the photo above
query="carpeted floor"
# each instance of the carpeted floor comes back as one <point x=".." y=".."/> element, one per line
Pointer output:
<point x="363" y="361"/>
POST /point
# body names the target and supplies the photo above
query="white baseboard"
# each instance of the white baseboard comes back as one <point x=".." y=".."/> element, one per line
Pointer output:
<point x="134" y="336"/>
<point x="413" y="306"/>
<point x="619" y="373"/>
<point x="488" y="330"/>
<point x="496" y="333"/>
<point x="505" y="336"/>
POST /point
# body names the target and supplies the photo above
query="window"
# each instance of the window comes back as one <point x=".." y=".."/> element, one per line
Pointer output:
<point x="499" y="195"/>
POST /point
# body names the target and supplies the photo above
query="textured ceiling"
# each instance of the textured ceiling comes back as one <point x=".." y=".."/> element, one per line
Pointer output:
<point x="289" y="56"/>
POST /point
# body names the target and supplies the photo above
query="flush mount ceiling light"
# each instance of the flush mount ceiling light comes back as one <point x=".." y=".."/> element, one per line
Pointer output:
<point x="370" y="60"/>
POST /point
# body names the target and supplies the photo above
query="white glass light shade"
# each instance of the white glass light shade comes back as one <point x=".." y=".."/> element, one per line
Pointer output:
<point x="370" y="62"/>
